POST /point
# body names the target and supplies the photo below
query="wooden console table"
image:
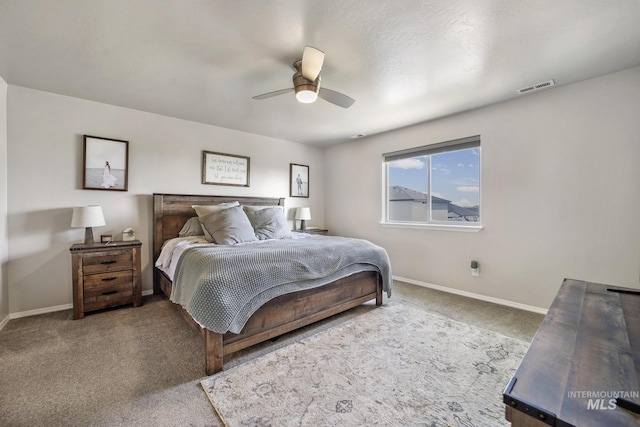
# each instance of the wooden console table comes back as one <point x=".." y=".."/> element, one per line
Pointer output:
<point x="583" y="366"/>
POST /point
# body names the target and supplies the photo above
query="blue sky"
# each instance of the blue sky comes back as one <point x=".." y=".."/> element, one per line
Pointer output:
<point x="455" y="175"/>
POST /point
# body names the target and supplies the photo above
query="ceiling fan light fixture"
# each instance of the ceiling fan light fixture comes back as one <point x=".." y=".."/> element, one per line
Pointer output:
<point x="306" y="90"/>
<point x="306" y="95"/>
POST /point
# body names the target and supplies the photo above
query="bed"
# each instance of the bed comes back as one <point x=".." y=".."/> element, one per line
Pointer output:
<point x="277" y="316"/>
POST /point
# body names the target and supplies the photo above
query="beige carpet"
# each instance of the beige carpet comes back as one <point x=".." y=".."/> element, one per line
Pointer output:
<point x="394" y="365"/>
<point x="123" y="367"/>
<point x="143" y="366"/>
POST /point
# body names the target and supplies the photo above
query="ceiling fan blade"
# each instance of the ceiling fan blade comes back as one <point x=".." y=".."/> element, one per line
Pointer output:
<point x="337" y="98"/>
<point x="312" y="60"/>
<point x="272" y="94"/>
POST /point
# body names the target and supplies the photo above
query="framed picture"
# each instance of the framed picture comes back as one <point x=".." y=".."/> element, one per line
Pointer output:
<point x="299" y="180"/>
<point x="225" y="169"/>
<point x="106" y="164"/>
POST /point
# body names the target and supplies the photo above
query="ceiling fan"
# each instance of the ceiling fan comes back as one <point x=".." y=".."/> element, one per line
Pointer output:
<point x="306" y="82"/>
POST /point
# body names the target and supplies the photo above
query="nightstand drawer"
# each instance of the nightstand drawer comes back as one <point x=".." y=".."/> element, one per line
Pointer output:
<point x="108" y="286"/>
<point x="110" y="262"/>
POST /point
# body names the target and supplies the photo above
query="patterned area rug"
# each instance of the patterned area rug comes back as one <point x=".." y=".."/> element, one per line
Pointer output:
<point x="394" y="365"/>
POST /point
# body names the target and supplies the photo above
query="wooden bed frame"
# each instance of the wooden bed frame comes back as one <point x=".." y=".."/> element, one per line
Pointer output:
<point x="278" y="316"/>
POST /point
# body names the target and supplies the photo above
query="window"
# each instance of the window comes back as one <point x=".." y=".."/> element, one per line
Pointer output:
<point x="436" y="184"/>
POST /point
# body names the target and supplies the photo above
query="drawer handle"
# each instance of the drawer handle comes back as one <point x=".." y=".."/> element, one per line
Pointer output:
<point x="108" y="262"/>
<point x="109" y="292"/>
<point x="108" y="279"/>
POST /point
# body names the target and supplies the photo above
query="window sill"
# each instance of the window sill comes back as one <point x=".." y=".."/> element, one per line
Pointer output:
<point x="439" y="227"/>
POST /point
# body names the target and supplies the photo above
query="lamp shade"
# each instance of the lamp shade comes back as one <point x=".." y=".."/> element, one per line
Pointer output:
<point x="87" y="216"/>
<point x="303" y="213"/>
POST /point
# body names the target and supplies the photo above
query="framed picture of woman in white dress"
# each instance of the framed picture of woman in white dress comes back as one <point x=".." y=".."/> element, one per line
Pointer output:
<point x="106" y="164"/>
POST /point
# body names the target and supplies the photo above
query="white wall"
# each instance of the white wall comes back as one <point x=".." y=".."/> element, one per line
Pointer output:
<point x="560" y="194"/>
<point x="45" y="180"/>
<point x="560" y="189"/>
<point x="4" y="249"/>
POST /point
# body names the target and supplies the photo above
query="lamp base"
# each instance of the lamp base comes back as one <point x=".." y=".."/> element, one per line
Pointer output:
<point x="88" y="236"/>
<point x="303" y="224"/>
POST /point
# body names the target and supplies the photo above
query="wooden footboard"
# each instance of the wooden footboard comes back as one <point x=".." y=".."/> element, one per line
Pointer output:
<point x="285" y="314"/>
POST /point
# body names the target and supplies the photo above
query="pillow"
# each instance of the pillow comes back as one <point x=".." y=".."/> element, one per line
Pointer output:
<point x="269" y="223"/>
<point x="191" y="228"/>
<point x="202" y="210"/>
<point x="248" y="208"/>
<point x="228" y="226"/>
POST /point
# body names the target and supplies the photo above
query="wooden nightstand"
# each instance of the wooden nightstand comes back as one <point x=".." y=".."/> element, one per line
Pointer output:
<point x="105" y="275"/>
<point x="320" y="231"/>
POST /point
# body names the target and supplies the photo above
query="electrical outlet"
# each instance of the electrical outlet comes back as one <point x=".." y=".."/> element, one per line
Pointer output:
<point x="475" y="268"/>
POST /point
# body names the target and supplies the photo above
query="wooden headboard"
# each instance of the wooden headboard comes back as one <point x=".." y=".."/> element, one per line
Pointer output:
<point x="171" y="211"/>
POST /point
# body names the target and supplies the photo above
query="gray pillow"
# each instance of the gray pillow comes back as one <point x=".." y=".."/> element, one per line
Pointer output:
<point x="251" y="208"/>
<point x="191" y="228"/>
<point x="269" y="223"/>
<point x="202" y="210"/>
<point x="228" y="226"/>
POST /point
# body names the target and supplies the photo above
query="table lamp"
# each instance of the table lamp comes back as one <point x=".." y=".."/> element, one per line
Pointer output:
<point x="303" y="214"/>
<point x="87" y="217"/>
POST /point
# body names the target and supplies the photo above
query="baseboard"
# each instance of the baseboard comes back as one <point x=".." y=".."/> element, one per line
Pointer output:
<point x="45" y="310"/>
<point x="499" y="301"/>
<point x="4" y="322"/>
<point x="37" y="311"/>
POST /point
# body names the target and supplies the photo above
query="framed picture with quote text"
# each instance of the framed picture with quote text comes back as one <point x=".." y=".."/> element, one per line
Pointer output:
<point x="299" y="180"/>
<point x="225" y="169"/>
<point x="105" y="164"/>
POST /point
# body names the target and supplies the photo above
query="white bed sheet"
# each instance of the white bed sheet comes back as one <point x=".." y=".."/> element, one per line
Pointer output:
<point x="173" y="248"/>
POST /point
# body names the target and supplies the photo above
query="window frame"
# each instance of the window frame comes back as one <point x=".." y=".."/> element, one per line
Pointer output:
<point x="429" y="150"/>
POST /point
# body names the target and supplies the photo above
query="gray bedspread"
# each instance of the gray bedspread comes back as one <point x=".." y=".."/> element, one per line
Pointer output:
<point x="222" y="286"/>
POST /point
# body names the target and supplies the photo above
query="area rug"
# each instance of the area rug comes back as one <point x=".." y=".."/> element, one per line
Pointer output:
<point x="396" y="365"/>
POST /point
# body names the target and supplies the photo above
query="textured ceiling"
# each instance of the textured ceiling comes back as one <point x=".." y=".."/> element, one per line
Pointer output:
<point x="403" y="61"/>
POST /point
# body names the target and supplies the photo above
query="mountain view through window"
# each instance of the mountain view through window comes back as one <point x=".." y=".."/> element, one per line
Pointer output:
<point x="443" y="186"/>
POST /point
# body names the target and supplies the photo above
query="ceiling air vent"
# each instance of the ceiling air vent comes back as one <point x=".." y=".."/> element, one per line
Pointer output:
<point x="537" y="86"/>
